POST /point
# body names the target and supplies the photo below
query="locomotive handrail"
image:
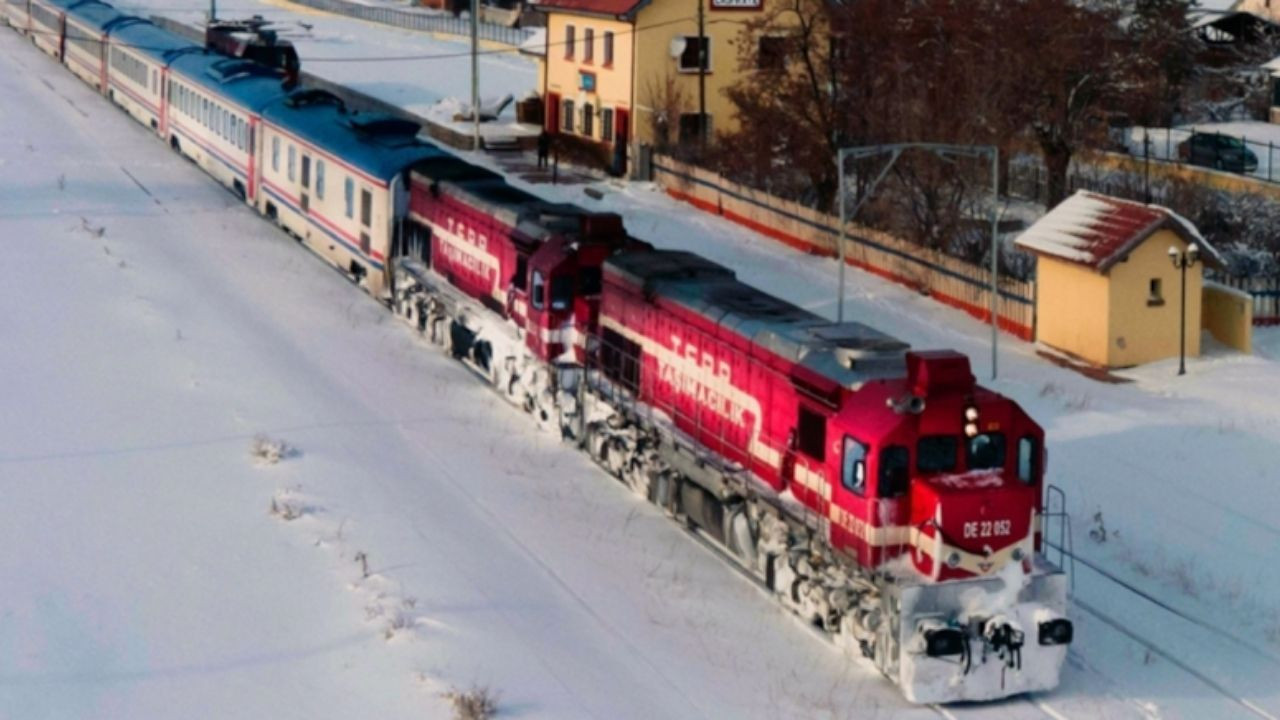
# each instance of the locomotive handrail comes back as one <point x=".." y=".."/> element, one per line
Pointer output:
<point x="1065" y="546"/>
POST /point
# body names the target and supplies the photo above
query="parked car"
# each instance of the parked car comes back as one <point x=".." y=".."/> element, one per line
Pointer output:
<point x="1221" y="152"/>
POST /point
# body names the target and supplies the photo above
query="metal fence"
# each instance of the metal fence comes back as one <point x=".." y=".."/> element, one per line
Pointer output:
<point x="1172" y="145"/>
<point x="418" y="20"/>
<point x="1029" y="181"/>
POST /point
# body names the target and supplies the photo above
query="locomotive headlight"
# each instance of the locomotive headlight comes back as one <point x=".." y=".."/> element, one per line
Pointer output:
<point x="1056" y="632"/>
<point x="953" y="560"/>
<point x="970" y="429"/>
<point x="971" y="414"/>
<point x="1017" y="554"/>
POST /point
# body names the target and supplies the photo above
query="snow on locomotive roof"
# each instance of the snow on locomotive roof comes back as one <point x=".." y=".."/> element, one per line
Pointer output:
<point x="146" y="38"/>
<point x="847" y="353"/>
<point x="377" y="144"/>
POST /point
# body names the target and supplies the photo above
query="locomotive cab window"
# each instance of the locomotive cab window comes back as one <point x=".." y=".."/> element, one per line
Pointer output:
<point x="1027" y="465"/>
<point x="985" y="451"/>
<point x="895" y="471"/>
<point x="539" y="295"/>
<point x="936" y="453"/>
<point x="811" y="434"/>
<point x="853" y="470"/>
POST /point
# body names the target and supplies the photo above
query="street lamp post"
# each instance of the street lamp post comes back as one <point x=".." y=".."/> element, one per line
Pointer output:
<point x="1182" y="261"/>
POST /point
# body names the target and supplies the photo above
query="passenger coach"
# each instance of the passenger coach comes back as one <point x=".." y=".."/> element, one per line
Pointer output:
<point x="139" y="57"/>
<point x="16" y="13"/>
<point x="213" y="115"/>
<point x="45" y="25"/>
<point x="87" y="26"/>
<point x="336" y="180"/>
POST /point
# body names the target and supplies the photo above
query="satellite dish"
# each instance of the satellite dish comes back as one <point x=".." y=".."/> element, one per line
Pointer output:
<point x="677" y="46"/>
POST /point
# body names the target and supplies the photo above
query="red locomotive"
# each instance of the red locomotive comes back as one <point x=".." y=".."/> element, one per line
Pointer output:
<point x="880" y="493"/>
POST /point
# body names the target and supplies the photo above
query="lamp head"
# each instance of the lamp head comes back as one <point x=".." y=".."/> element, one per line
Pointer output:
<point x="1193" y="252"/>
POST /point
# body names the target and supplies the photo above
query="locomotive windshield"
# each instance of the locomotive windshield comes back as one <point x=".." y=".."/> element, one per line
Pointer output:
<point x="985" y="451"/>
<point x="936" y="453"/>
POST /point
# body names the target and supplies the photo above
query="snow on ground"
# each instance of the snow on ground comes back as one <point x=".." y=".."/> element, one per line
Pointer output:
<point x="156" y="329"/>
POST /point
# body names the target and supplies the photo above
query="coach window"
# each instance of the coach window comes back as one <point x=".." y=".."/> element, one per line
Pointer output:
<point x="320" y="179"/>
<point x="853" y="471"/>
<point x="349" y="191"/>
<point x="366" y="207"/>
<point x="155" y="82"/>
<point x="204" y="111"/>
<point x="275" y="154"/>
<point x="306" y="171"/>
<point x="538" y="296"/>
<point x="936" y="453"/>
<point x="895" y="471"/>
<point x="293" y="163"/>
<point x="1027" y="464"/>
<point x="811" y="434"/>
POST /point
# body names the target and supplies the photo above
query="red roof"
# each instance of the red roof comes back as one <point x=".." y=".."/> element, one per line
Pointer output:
<point x="614" y="8"/>
<point x="1099" y="230"/>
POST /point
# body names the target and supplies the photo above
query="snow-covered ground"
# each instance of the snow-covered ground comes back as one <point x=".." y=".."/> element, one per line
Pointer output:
<point x="152" y="580"/>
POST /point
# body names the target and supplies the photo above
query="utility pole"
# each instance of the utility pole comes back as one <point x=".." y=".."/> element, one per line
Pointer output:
<point x="475" y="75"/>
<point x="995" y="256"/>
<point x="702" y="80"/>
<point x="213" y="10"/>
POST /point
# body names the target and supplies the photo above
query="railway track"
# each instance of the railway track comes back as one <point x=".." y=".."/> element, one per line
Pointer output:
<point x="1163" y="652"/>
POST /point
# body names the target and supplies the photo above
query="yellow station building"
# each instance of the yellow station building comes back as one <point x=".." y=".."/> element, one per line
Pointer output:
<point x="1106" y="288"/>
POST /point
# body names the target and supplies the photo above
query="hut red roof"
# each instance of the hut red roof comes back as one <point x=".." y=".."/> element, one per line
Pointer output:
<point x="1099" y="230"/>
